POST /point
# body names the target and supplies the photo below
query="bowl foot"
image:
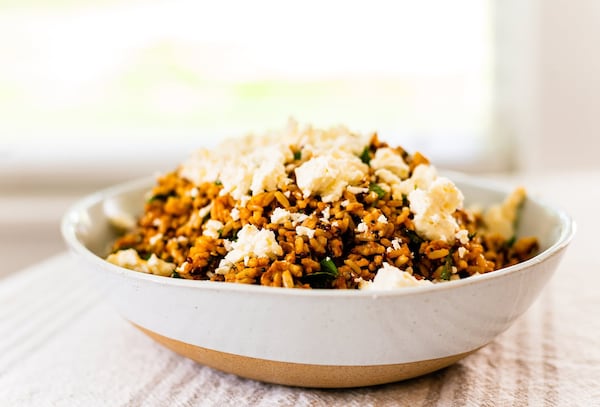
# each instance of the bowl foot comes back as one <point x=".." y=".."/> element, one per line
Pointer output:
<point x="300" y="374"/>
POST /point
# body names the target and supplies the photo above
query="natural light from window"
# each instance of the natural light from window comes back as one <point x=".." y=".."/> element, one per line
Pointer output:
<point x="147" y="73"/>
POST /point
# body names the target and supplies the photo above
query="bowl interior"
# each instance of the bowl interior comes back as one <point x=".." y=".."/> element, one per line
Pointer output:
<point x="91" y="226"/>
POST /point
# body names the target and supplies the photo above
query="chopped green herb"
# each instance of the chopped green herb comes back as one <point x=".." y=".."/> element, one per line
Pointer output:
<point x="447" y="270"/>
<point x="162" y="197"/>
<point x="297" y="155"/>
<point x="405" y="200"/>
<point x="510" y="242"/>
<point x="377" y="189"/>
<point x="472" y="235"/>
<point x="175" y="274"/>
<point x="365" y="156"/>
<point x="318" y="279"/>
<point x="328" y="266"/>
<point x="414" y="238"/>
<point x="323" y="278"/>
<point x="218" y="182"/>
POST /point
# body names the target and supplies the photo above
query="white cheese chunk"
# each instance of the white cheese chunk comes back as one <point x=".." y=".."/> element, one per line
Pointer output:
<point x="280" y="216"/>
<point x="325" y="214"/>
<point x="131" y="260"/>
<point x="422" y="177"/>
<point x="251" y="242"/>
<point x="433" y="209"/>
<point x="304" y="231"/>
<point x="205" y="210"/>
<point x="389" y="277"/>
<point x="362" y="227"/>
<point x="212" y="228"/>
<point x="462" y="236"/>
<point x="328" y="175"/>
<point x="389" y="159"/>
<point x="357" y="190"/>
<point x="382" y="219"/>
<point x="154" y="239"/>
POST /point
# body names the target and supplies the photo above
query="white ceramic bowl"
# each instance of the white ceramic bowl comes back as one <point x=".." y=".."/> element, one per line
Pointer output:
<point x="319" y="338"/>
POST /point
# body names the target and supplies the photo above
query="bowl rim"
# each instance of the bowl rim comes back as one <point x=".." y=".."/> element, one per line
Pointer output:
<point x="71" y="218"/>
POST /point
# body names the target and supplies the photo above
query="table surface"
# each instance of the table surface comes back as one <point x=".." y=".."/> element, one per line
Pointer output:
<point x="62" y="344"/>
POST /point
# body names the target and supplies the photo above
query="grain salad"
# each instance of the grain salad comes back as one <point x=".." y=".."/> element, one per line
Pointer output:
<point x="317" y="208"/>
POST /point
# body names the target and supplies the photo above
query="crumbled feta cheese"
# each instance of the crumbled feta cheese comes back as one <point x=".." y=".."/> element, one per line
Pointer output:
<point x="357" y="190"/>
<point x="202" y="166"/>
<point x="235" y="214"/>
<point x="251" y="242"/>
<point x="237" y="179"/>
<point x="261" y="162"/>
<point x="389" y="277"/>
<point x="362" y="227"/>
<point x="433" y="209"/>
<point x="131" y="260"/>
<point x="126" y="258"/>
<point x="154" y="239"/>
<point x="432" y="199"/>
<point x="280" y="216"/>
<point x="328" y="175"/>
<point x="287" y="194"/>
<point x="304" y="231"/>
<point x="298" y="217"/>
<point x="194" y="192"/>
<point x="325" y="215"/>
<point x="462" y="236"/>
<point x="321" y="141"/>
<point x="422" y="177"/>
<point x="205" y="210"/>
<point x="382" y="219"/>
<point x="389" y="159"/>
<point x="386" y="177"/>
<point x="269" y="173"/>
<point x="461" y="252"/>
<point x="159" y="266"/>
<point x="396" y="244"/>
<point x="256" y="171"/>
<point x="501" y="218"/>
<point x="182" y="266"/>
<point x="335" y="223"/>
<point x="212" y="228"/>
<point x="345" y="203"/>
<point x="244" y="201"/>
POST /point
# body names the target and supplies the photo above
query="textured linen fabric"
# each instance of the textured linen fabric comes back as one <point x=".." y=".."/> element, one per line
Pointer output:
<point x="61" y="344"/>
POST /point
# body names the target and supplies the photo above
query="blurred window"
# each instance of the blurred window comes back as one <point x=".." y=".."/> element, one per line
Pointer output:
<point x="96" y="81"/>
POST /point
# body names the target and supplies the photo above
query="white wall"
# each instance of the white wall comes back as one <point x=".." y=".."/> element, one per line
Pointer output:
<point x="570" y="83"/>
<point x="549" y="62"/>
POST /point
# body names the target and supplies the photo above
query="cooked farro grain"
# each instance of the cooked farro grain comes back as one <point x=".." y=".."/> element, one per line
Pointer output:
<point x="321" y="209"/>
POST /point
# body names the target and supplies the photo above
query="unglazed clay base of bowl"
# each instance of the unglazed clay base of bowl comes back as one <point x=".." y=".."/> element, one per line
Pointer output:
<point x="319" y="338"/>
<point x="301" y="374"/>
